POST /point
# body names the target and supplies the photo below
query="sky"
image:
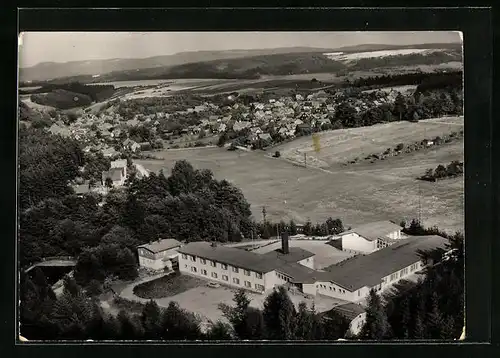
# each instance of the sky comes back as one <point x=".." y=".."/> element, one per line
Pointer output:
<point x="37" y="47"/>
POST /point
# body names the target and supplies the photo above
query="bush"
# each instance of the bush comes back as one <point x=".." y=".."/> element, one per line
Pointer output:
<point x="277" y="154"/>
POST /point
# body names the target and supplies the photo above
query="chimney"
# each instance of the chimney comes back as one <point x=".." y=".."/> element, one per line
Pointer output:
<point x="284" y="243"/>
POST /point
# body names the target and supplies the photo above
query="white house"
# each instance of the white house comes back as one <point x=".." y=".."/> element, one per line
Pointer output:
<point x="159" y="255"/>
<point x="117" y="173"/>
<point x="370" y="237"/>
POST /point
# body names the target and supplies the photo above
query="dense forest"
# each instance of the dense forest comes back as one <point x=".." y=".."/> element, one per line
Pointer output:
<point x="427" y="81"/>
<point x="70" y="95"/>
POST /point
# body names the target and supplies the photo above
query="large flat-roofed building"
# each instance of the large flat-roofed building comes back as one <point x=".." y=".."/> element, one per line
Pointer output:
<point x="370" y="237"/>
<point x="353" y="279"/>
<point x="243" y="269"/>
<point x="160" y="254"/>
<point x="350" y="280"/>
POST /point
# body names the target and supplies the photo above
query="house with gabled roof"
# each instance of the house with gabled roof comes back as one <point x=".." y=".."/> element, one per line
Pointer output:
<point x="370" y="237"/>
<point x="160" y="254"/>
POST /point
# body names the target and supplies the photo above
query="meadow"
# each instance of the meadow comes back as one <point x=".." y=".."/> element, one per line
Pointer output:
<point x="385" y="190"/>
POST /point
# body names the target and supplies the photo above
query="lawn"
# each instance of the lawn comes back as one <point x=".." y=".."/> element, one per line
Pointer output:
<point x="339" y="146"/>
<point x="167" y="286"/>
<point x="384" y="190"/>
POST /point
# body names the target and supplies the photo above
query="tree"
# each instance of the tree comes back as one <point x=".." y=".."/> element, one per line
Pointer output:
<point x="279" y="315"/>
<point x="151" y="320"/>
<point x="129" y="326"/>
<point x="220" y="331"/>
<point x="304" y="330"/>
<point x="94" y="288"/>
<point x="292" y="228"/>
<point x="308" y="229"/>
<point x="108" y="182"/>
<point x="376" y="326"/>
<point x="334" y="226"/>
<point x="177" y="324"/>
<point x="400" y="106"/>
<point x="434" y="320"/>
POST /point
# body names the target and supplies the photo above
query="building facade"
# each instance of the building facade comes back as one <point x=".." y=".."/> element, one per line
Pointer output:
<point x="370" y="237"/>
<point x="159" y="255"/>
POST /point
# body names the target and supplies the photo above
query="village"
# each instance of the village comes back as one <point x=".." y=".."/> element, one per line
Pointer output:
<point x="256" y="125"/>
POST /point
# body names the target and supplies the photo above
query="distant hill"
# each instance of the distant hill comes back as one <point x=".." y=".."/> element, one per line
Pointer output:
<point x="52" y="70"/>
<point x="84" y="70"/>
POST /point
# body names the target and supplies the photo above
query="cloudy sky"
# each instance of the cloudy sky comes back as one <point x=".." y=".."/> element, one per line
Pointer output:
<point x="81" y="46"/>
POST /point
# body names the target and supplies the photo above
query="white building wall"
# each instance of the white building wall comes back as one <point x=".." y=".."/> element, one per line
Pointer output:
<point x="395" y="235"/>
<point x="156" y="261"/>
<point x="332" y="290"/>
<point x="153" y="264"/>
<point x="309" y="262"/>
<point x="226" y="276"/>
<point x="352" y="242"/>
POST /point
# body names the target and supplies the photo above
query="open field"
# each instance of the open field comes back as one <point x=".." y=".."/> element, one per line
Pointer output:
<point x="386" y="190"/>
<point x="340" y="146"/>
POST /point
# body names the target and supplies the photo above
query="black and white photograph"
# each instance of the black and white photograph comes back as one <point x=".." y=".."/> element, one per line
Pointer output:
<point x="235" y="186"/>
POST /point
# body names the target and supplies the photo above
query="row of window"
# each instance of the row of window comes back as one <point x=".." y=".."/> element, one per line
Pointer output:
<point x="330" y="287"/>
<point x="283" y="277"/>
<point x="226" y="278"/>
<point x="223" y="266"/>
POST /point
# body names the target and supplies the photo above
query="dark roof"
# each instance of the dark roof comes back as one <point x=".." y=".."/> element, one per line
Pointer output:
<point x="113" y="173"/>
<point x="300" y="273"/>
<point x="295" y="254"/>
<point x="161" y="245"/>
<point x="349" y="310"/>
<point x="373" y="231"/>
<point x="368" y="270"/>
<point x="230" y="255"/>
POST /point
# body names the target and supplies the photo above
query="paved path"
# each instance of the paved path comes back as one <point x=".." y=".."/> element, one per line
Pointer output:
<point x="128" y="292"/>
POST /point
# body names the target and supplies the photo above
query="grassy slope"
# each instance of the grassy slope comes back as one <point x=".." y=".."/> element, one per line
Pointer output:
<point x="387" y="190"/>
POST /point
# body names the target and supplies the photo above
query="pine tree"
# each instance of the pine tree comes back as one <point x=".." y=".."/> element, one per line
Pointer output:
<point x="434" y="320"/>
<point x="151" y="320"/>
<point x="293" y="228"/>
<point x="279" y="315"/>
<point x="376" y="326"/>
<point x="304" y="319"/>
<point x="220" y="332"/>
<point x="448" y="329"/>
<point x="404" y="308"/>
<point x="419" y="329"/>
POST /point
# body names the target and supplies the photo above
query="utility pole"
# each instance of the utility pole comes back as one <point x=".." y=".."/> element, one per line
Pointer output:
<point x="419" y="205"/>
<point x="264" y="214"/>
<point x="305" y="160"/>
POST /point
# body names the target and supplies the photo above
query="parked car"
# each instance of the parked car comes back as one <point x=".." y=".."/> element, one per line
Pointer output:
<point x="213" y="285"/>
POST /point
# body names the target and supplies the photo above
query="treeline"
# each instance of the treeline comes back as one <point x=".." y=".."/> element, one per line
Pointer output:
<point x="403" y="148"/>
<point x="432" y="308"/>
<point x="329" y="227"/>
<point x="452" y="170"/>
<point x="77" y="315"/>
<point x="425" y="81"/>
